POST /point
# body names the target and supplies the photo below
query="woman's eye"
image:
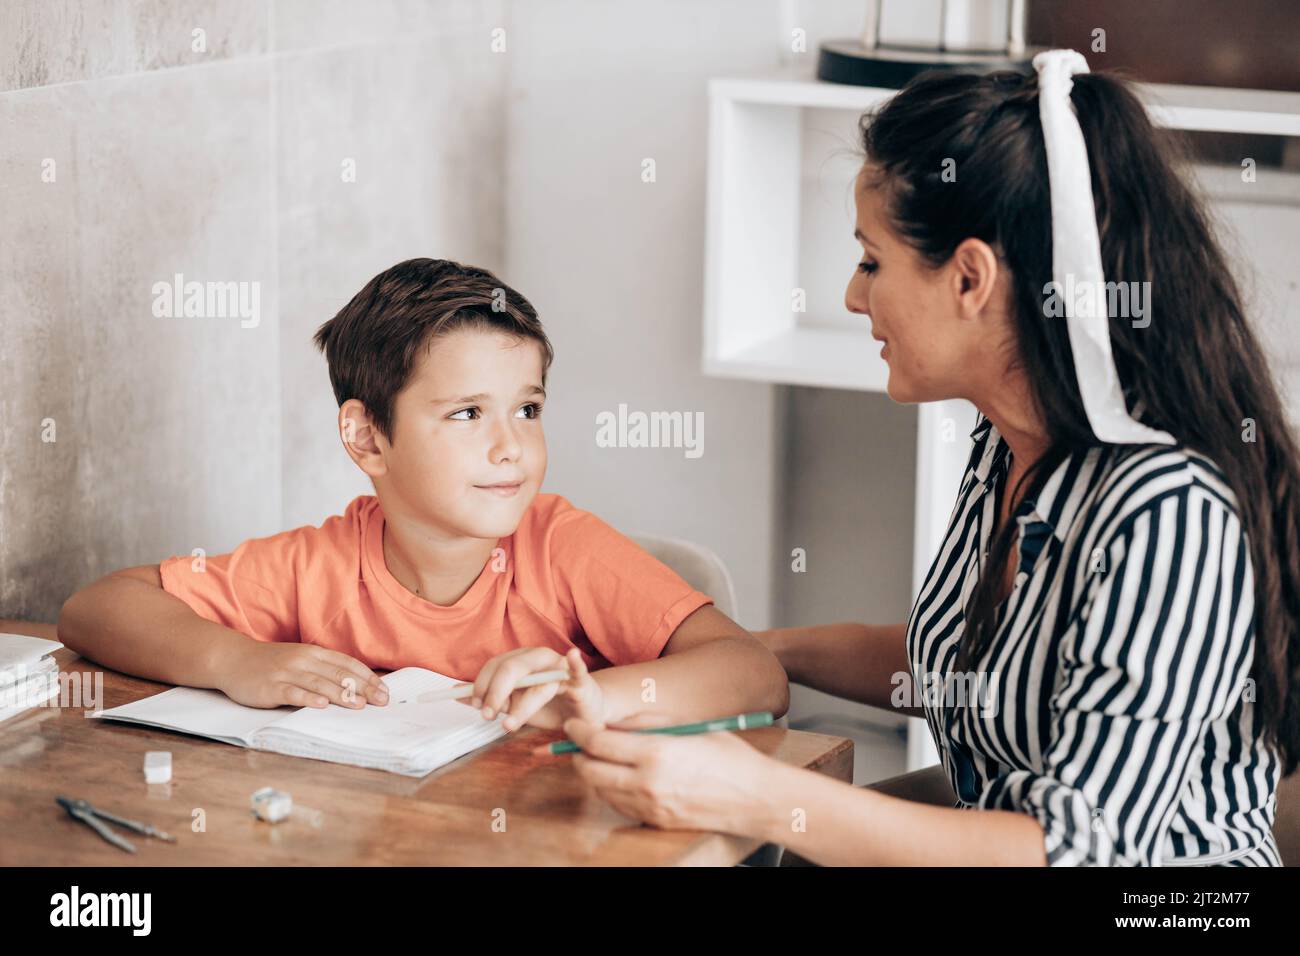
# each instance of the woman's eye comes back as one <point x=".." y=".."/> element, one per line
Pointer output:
<point x="470" y="415"/>
<point x="867" y="266"/>
<point x="531" y="410"/>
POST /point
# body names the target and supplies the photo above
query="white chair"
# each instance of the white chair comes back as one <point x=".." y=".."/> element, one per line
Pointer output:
<point x="698" y="566"/>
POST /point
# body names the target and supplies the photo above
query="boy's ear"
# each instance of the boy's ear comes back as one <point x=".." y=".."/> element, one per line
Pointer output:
<point x="361" y="439"/>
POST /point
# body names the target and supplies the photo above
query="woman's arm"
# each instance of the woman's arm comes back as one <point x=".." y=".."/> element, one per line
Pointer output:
<point x="834" y="823"/>
<point x="861" y="662"/>
<point x="719" y="782"/>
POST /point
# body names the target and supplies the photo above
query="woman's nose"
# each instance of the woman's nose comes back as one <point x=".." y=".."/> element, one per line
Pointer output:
<point x="855" y="297"/>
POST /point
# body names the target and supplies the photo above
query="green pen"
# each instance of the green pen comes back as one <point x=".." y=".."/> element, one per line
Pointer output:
<point x="762" y="718"/>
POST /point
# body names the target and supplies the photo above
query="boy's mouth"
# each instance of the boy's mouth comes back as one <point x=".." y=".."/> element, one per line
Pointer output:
<point x="505" y="489"/>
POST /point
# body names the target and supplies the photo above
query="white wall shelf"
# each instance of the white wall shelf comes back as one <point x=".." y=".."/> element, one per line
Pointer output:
<point x="752" y="255"/>
<point x="759" y="184"/>
<point x="804" y="355"/>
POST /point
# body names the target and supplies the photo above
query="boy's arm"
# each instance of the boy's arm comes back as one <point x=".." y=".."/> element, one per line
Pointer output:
<point x="128" y="622"/>
<point x="710" y="667"/>
<point x="677" y="658"/>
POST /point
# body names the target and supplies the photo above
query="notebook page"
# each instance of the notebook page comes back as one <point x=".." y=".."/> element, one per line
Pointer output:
<point x="200" y="711"/>
<point x="390" y="730"/>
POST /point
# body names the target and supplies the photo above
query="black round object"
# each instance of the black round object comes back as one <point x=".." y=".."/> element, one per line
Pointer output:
<point x="848" y="61"/>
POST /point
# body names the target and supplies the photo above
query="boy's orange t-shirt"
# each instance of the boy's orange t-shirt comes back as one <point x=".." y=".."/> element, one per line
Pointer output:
<point x="563" y="579"/>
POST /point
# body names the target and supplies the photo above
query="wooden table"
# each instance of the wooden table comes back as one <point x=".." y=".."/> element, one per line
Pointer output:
<point x="499" y="806"/>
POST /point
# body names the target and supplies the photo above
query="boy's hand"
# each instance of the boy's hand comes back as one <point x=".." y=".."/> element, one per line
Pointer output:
<point x="543" y="705"/>
<point x="303" y="675"/>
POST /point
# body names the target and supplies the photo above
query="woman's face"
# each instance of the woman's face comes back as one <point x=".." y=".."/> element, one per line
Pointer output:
<point x="936" y="334"/>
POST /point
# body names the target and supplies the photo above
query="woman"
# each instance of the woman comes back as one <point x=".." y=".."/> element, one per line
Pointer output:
<point x="1122" y="586"/>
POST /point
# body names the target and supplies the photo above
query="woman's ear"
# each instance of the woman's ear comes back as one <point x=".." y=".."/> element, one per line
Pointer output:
<point x="361" y="439"/>
<point x="976" y="270"/>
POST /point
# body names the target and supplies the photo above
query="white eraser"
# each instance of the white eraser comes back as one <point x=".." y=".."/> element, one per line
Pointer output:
<point x="158" y="766"/>
<point x="271" y="805"/>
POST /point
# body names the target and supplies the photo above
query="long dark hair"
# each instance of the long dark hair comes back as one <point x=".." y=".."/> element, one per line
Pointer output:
<point x="1197" y="368"/>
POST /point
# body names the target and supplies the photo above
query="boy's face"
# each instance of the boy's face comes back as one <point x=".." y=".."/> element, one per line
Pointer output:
<point x="468" y="454"/>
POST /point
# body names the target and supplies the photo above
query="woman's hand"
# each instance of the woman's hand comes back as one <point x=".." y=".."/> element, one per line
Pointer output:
<point x="542" y="705"/>
<point x="703" y="782"/>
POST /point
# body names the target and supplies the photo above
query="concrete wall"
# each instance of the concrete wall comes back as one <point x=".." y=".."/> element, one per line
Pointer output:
<point x="129" y="157"/>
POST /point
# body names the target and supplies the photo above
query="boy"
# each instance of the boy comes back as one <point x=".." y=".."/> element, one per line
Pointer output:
<point x="456" y="563"/>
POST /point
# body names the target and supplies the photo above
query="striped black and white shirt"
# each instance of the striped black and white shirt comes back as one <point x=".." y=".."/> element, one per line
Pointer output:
<point x="1113" y="704"/>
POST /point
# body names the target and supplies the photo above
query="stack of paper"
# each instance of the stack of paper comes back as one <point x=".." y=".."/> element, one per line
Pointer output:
<point x="29" y="676"/>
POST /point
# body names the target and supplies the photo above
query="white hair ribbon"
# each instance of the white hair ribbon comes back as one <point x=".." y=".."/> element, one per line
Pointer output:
<point x="1076" y="255"/>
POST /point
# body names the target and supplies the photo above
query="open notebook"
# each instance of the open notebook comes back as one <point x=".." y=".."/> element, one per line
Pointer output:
<point x="412" y="739"/>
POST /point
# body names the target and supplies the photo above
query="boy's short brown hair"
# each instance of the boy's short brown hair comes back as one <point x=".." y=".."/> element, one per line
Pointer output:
<point x="372" y="344"/>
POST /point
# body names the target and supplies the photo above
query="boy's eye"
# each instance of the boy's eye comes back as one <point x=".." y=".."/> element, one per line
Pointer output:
<point x="470" y="414"/>
<point x="531" y="410"/>
<point x="867" y="266"/>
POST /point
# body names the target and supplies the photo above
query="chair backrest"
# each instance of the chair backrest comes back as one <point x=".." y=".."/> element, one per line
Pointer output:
<point x="698" y="566"/>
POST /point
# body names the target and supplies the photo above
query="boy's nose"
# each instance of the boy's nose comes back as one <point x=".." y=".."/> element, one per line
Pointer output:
<point x="505" y="444"/>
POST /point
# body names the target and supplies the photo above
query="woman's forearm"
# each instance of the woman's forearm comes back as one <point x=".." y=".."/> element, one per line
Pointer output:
<point x="834" y="823"/>
<point x="861" y="662"/>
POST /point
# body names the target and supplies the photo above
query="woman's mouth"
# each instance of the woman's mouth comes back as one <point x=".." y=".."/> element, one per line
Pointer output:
<point x="503" y="489"/>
